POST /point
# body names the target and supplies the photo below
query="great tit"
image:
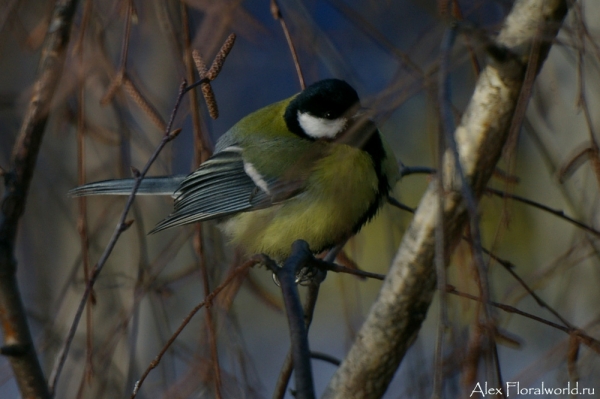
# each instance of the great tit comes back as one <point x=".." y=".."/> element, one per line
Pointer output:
<point x="310" y="167"/>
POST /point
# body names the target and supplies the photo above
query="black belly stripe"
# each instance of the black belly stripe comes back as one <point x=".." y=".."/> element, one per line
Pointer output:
<point x="374" y="147"/>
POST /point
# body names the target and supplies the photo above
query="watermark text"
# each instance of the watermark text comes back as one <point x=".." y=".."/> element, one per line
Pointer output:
<point x="511" y="388"/>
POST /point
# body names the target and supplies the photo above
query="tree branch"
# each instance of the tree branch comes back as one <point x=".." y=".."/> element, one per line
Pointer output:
<point x="286" y="275"/>
<point x="18" y="345"/>
<point x="395" y="318"/>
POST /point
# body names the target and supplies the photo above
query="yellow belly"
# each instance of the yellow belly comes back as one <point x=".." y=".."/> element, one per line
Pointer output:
<point x="323" y="215"/>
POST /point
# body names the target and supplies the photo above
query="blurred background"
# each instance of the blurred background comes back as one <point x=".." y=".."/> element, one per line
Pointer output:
<point x="389" y="52"/>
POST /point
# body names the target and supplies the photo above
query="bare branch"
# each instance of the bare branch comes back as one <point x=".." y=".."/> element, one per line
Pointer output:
<point x="300" y="258"/>
<point x="122" y="225"/>
<point x="209" y="298"/>
<point x="556" y="212"/>
<point x="201" y="153"/>
<point x="276" y="13"/>
<point x="396" y="317"/>
<point x="286" y="370"/>
<point x="24" y="361"/>
<point x="576" y="334"/>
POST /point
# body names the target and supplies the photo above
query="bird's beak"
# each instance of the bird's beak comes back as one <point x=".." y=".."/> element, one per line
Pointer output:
<point x="360" y="128"/>
<point x="363" y="112"/>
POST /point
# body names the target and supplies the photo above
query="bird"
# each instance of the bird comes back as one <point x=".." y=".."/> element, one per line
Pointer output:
<point x="313" y="167"/>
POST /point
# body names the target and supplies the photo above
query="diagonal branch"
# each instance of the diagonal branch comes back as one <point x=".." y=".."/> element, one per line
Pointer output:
<point x="395" y="318"/>
<point x="121" y="227"/>
<point x="18" y="345"/>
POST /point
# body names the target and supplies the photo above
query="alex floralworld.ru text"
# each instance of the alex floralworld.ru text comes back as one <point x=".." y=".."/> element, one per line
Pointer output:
<point x="514" y="388"/>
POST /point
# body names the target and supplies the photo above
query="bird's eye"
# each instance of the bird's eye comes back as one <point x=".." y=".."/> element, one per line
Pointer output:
<point x="327" y="115"/>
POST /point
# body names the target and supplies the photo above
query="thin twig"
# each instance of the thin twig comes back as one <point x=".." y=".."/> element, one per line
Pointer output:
<point x="581" y="156"/>
<point x="594" y="154"/>
<point x="447" y="126"/>
<point x="457" y="14"/>
<point x="6" y="12"/>
<point x="325" y="357"/>
<point x="378" y="38"/>
<point x="572" y="356"/>
<point x="522" y="102"/>
<point x="210" y="324"/>
<point x="440" y="247"/>
<point x="507" y="264"/>
<point x="202" y="149"/>
<point x="343" y="269"/>
<point x="394" y="202"/>
<point x="199" y="158"/>
<point x="276" y="13"/>
<point x="406" y="170"/>
<point x="122" y="225"/>
<point x="555" y="212"/>
<point x="117" y="81"/>
<point x="411" y="170"/>
<point x="590" y="342"/>
<point x="510" y="268"/>
<point x="209" y="298"/>
<point x="396" y="316"/>
<point x="85" y="19"/>
<point x="145" y="106"/>
<point x="82" y="226"/>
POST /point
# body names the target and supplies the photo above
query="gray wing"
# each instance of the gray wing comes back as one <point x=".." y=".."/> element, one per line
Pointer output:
<point x="218" y="188"/>
<point x="165" y="185"/>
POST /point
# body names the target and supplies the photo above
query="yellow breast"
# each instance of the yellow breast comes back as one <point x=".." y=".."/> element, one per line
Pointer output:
<point x="327" y="212"/>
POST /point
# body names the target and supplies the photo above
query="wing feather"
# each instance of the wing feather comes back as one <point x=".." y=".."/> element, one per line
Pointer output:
<point x="218" y="188"/>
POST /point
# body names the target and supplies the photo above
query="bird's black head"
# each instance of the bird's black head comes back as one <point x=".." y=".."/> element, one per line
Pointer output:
<point x="322" y="110"/>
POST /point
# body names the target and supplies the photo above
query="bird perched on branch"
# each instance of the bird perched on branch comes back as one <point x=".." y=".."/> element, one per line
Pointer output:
<point x="310" y="167"/>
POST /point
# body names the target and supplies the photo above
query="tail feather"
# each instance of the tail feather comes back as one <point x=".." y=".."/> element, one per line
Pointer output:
<point x="165" y="185"/>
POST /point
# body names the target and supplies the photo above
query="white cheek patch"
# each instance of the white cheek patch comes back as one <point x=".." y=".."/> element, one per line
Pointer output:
<point x="320" y="127"/>
<point x="256" y="177"/>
